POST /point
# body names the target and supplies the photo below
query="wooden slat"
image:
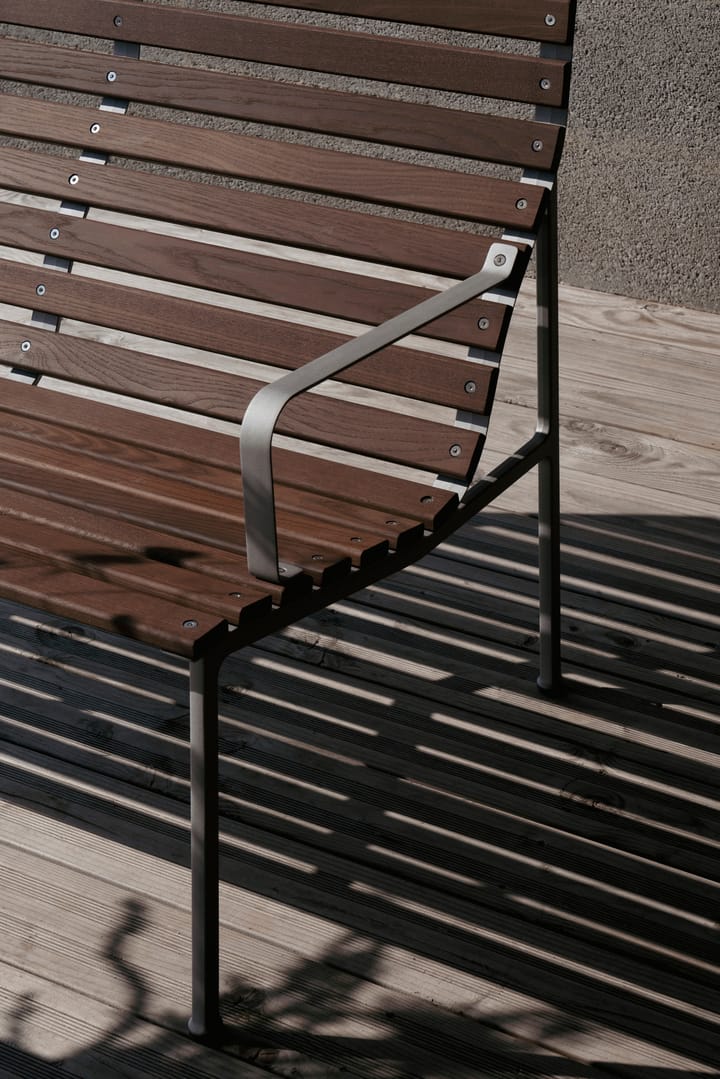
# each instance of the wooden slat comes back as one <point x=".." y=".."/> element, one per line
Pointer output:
<point x="240" y="273"/>
<point x="400" y="123"/>
<point x="392" y="183"/>
<point x="184" y="630"/>
<point x="388" y="494"/>
<point x="413" y="63"/>
<point x="511" y="18"/>
<point x="281" y="220"/>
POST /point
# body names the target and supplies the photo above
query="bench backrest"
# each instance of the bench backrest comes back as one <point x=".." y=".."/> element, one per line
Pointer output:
<point x="189" y="157"/>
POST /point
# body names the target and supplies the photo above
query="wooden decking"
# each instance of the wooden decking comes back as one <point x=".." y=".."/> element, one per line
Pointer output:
<point x="429" y="870"/>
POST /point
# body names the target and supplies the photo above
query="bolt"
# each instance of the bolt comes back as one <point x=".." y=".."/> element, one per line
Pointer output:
<point x="355" y="539"/>
<point x="537" y="145"/>
<point x="471" y="387"/>
<point x="26" y="346"/>
<point x="94" y="129"/>
<point x="317" y="558"/>
<point x="550" y="20"/>
<point x="427" y="499"/>
<point x="499" y="260"/>
<point x="391" y="523"/>
<point x="118" y="20"/>
<point x="521" y="204"/>
<point x="455" y="450"/>
<point x="54" y="234"/>
<point x="74" y="179"/>
<point x="545" y="84"/>
<point x="483" y="323"/>
<point x="111" y="76"/>
<point x="40" y="290"/>
<point x="235" y="595"/>
<point x="190" y="623"/>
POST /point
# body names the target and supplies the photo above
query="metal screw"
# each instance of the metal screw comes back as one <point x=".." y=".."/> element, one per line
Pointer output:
<point x="550" y="20"/>
<point x="54" y="234"/>
<point x="483" y="323"/>
<point x="426" y="499"/>
<point x="521" y="204"/>
<point x="26" y="346"/>
<point x="455" y="450"/>
<point x="537" y="145"/>
<point x="74" y="179"/>
<point x="40" y="290"/>
<point x="190" y="623"/>
<point x="471" y="387"/>
<point x="355" y="539"/>
<point x="118" y="20"/>
<point x="94" y="129"/>
<point x="544" y="84"/>
<point x="235" y="595"/>
<point x="499" y="260"/>
<point x="317" y="558"/>
<point x="111" y="76"/>
<point x="391" y="523"/>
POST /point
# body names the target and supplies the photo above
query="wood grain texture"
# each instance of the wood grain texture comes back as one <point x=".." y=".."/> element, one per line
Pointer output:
<point x="366" y="56"/>
<point x="392" y="183"/>
<point x="398" y="123"/>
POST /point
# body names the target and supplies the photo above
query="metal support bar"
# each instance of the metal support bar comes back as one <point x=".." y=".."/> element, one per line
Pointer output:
<point x="264" y="410"/>
<point x="550" y="676"/>
<point x="205" y="1023"/>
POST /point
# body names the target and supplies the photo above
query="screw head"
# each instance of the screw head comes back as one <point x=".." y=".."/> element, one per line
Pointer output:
<point x="499" y="260"/>
<point x="471" y="387"/>
<point x="54" y="234"/>
<point x="190" y="623"/>
<point x="40" y="290"/>
<point x="537" y="145"/>
<point x="545" y="84"/>
<point x="455" y="450"/>
<point x="355" y="539"/>
<point x="391" y="523"/>
<point x="111" y="76"/>
<point x="235" y="595"/>
<point x="550" y="20"/>
<point x="74" y="179"/>
<point x="427" y="499"/>
<point x="317" y="558"/>
<point x="521" y="204"/>
<point x="94" y="129"/>
<point x="26" y="346"/>
<point x="483" y="323"/>
<point x="118" y="21"/>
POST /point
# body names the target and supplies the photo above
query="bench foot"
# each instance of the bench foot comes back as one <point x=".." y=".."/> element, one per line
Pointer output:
<point x="557" y="688"/>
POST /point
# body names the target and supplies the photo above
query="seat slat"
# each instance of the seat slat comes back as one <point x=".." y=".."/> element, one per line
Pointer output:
<point x="262" y="217"/>
<point x="471" y="71"/>
<point x="510" y="18"/>
<point x="411" y="441"/>
<point x="389" y="494"/>
<point x="241" y="273"/>
<point x="393" y="183"/>
<point x="184" y="630"/>
<point x="505" y="140"/>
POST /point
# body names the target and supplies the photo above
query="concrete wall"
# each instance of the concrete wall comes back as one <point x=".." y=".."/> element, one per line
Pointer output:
<point x="639" y="188"/>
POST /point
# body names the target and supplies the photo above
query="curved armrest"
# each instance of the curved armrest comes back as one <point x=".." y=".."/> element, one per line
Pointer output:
<point x="264" y="410"/>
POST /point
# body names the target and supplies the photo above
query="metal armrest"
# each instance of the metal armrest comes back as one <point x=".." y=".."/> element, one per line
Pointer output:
<point x="264" y="410"/>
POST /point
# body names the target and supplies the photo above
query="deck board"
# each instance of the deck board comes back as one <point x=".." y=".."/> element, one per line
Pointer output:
<point x="428" y="870"/>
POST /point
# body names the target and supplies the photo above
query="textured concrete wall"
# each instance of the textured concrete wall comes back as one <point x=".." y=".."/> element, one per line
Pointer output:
<point x="639" y="194"/>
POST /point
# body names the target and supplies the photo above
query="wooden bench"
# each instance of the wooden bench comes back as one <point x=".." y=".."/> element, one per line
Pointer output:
<point x="173" y="265"/>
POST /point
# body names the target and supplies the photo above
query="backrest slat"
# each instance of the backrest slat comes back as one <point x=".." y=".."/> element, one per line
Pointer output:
<point x="499" y="139"/>
<point x="439" y="191"/>
<point x="414" y="63"/>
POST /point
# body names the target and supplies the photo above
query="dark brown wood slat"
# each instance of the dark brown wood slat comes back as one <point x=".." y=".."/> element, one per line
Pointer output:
<point x="311" y="417"/>
<point x="184" y="630"/>
<point x="227" y="481"/>
<point x="391" y="183"/>
<point x="259" y="277"/>
<point x="263" y="217"/>
<point x="445" y="67"/>
<point x="398" y="123"/>
<point x="409" y="441"/>
<point x="510" y="18"/>
<point x="99" y="560"/>
<point x="324" y="565"/>
<point x="200" y="559"/>
<point x="388" y="494"/>
<point x="214" y="517"/>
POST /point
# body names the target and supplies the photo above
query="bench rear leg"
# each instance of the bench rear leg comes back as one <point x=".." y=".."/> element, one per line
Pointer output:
<point x="205" y="1023"/>
<point x="550" y="677"/>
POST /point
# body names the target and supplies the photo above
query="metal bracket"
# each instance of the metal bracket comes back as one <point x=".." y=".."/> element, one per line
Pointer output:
<point x="263" y="412"/>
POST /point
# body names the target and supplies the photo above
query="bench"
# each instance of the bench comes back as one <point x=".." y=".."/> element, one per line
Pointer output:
<point x="204" y="217"/>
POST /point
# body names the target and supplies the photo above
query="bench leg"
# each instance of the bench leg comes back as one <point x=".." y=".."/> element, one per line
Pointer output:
<point x="550" y="677"/>
<point x="205" y="1023"/>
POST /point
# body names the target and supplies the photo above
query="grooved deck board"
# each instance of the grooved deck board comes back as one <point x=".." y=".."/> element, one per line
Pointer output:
<point x="425" y="865"/>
